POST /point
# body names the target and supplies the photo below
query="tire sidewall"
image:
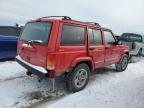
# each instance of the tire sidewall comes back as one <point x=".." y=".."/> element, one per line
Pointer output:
<point x="119" y="65"/>
<point x="70" y="80"/>
<point x="125" y="56"/>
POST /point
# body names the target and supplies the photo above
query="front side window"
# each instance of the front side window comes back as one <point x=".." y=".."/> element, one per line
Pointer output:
<point x="108" y="37"/>
<point x="95" y="37"/>
<point x="37" y="31"/>
<point x="72" y="35"/>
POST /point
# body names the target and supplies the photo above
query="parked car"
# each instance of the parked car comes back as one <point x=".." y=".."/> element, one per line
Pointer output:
<point x="135" y="43"/>
<point x="51" y="47"/>
<point x="8" y="41"/>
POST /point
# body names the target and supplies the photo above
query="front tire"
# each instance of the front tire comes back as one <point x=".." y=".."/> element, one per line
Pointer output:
<point x="122" y="65"/>
<point x="78" y="78"/>
<point x="139" y="53"/>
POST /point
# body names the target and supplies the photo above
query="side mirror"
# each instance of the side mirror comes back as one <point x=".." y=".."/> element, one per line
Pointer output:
<point x="119" y="42"/>
<point x="112" y="43"/>
<point x="115" y="43"/>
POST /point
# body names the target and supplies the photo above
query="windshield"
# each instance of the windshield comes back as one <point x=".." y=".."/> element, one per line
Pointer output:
<point x="37" y="31"/>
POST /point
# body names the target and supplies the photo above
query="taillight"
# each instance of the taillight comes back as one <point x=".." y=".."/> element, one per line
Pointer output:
<point x="50" y="62"/>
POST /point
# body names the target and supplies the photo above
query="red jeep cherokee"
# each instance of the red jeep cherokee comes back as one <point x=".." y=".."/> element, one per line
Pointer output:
<point x="51" y="47"/>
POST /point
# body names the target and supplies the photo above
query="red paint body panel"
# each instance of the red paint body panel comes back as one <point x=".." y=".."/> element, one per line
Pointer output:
<point x="65" y="58"/>
<point x="37" y="55"/>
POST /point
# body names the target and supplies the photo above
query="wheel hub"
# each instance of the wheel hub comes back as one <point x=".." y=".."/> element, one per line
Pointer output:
<point x="80" y="78"/>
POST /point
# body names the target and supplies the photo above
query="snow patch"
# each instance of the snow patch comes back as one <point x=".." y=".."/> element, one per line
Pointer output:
<point x="10" y="70"/>
<point x="106" y="89"/>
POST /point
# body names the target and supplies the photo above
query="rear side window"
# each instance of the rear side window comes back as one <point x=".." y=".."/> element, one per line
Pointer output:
<point x="95" y="37"/>
<point x="10" y="31"/>
<point x="108" y="37"/>
<point x="72" y="35"/>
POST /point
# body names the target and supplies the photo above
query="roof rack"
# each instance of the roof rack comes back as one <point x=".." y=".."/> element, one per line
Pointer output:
<point x="68" y="18"/>
<point x="93" y="23"/>
<point x="63" y="17"/>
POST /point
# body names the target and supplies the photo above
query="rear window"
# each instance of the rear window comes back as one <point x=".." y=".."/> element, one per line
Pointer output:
<point x="10" y="31"/>
<point x="37" y="31"/>
<point x="72" y="35"/>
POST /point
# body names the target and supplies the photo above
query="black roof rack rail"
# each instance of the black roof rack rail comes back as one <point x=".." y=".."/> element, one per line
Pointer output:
<point x="63" y="17"/>
<point x="93" y="23"/>
<point x="69" y="18"/>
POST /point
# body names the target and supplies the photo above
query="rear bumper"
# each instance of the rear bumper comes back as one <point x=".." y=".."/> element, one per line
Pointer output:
<point x="40" y="71"/>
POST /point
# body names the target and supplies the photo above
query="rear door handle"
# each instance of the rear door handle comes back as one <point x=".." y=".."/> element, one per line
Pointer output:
<point x="107" y="47"/>
<point x="92" y="49"/>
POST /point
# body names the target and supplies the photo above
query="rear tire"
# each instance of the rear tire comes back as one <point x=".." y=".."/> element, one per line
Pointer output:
<point x="78" y="78"/>
<point x="122" y="65"/>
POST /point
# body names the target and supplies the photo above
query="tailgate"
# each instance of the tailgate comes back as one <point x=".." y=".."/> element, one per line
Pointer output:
<point x="33" y="43"/>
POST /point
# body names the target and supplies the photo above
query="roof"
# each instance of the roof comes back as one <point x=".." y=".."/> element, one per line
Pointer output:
<point x="68" y="19"/>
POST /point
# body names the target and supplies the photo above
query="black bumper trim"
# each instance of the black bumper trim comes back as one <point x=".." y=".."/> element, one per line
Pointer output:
<point x="29" y="68"/>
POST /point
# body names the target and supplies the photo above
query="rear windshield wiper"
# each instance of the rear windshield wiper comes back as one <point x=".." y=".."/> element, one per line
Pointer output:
<point x="36" y="41"/>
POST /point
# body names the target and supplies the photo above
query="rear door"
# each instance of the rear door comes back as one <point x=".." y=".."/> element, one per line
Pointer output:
<point x="96" y="47"/>
<point x="112" y="51"/>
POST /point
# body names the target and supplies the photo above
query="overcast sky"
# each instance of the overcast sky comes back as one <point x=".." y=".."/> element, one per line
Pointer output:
<point x="118" y="15"/>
